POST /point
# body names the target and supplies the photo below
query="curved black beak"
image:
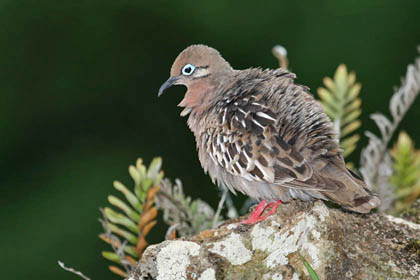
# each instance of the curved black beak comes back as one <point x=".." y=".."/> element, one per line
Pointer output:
<point x="171" y="81"/>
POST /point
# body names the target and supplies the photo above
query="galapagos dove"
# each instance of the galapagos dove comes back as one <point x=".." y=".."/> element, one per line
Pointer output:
<point x="260" y="133"/>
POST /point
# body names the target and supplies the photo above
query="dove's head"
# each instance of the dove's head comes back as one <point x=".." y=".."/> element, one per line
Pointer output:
<point x="199" y="68"/>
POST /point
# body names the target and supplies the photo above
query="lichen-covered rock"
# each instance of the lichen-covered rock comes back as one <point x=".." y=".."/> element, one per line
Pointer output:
<point x="337" y="244"/>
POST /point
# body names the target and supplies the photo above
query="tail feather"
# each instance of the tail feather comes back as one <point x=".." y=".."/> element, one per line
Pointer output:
<point x="353" y="193"/>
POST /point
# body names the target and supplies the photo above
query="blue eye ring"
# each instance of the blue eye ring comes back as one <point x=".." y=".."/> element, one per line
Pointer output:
<point x="188" y="69"/>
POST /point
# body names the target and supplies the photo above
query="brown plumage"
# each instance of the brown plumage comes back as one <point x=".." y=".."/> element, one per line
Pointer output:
<point x="261" y="134"/>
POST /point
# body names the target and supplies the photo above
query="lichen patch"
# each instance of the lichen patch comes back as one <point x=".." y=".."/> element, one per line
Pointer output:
<point x="402" y="221"/>
<point x="321" y="210"/>
<point x="289" y="239"/>
<point x="233" y="249"/>
<point x="261" y="237"/>
<point x="277" y="276"/>
<point x="208" y="274"/>
<point x="232" y="226"/>
<point x="175" y="268"/>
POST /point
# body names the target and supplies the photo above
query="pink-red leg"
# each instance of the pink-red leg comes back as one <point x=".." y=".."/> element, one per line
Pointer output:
<point x="256" y="215"/>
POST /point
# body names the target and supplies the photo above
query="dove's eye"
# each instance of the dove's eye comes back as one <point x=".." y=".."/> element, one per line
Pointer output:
<point x="188" y="69"/>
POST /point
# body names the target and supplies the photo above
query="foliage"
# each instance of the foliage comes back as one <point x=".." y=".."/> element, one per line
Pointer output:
<point x="340" y="101"/>
<point x="375" y="161"/>
<point x="309" y="268"/>
<point x="184" y="216"/>
<point x="406" y="176"/>
<point x="137" y="217"/>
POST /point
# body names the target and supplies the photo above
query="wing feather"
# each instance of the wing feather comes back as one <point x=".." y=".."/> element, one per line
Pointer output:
<point x="255" y="144"/>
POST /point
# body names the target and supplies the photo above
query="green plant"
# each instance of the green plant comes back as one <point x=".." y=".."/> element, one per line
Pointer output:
<point x="309" y="268"/>
<point x="134" y="220"/>
<point x="342" y="104"/>
<point x="375" y="161"/>
<point x="137" y="216"/>
<point x="340" y="100"/>
<point x="184" y="215"/>
<point x="406" y="176"/>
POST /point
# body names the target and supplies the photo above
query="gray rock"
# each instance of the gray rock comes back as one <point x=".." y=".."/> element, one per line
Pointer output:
<point x="337" y="244"/>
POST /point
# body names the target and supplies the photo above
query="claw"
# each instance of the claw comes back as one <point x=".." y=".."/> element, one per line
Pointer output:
<point x="257" y="216"/>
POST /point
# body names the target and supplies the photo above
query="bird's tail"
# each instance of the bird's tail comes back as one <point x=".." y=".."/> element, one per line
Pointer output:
<point x="353" y="193"/>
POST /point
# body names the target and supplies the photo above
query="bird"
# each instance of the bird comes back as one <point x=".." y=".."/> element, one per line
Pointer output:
<point x="260" y="133"/>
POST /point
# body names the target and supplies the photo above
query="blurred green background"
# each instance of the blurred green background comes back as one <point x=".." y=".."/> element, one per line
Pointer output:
<point x="78" y="90"/>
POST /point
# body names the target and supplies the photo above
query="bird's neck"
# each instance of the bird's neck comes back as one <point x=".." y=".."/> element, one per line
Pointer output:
<point x="197" y="96"/>
<point x="202" y="96"/>
<point x="197" y="101"/>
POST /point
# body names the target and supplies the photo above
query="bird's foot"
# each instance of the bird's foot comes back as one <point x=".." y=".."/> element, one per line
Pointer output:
<point x="257" y="216"/>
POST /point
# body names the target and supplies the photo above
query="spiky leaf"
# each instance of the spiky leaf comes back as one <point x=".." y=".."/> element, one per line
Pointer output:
<point x="341" y="103"/>
<point x="111" y="256"/>
<point x="124" y="207"/>
<point x="128" y="195"/>
<point x="138" y="216"/>
<point x="406" y="175"/>
<point x="118" y="218"/>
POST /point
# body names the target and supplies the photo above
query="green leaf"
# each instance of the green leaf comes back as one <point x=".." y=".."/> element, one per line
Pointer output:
<point x="340" y="78"/>
<point x="351" y="117"/>
<point x="134" y="174"/>
<point x="120" y="219"/>
<point x="341" y="103"/>
<point x="350" y="128"/>
<point x="123" y="233"/>
<point x="351" y="78"/>
<point x="131" y="250"/>
<point x="309" y="268"/>
<point x="327" y="96"/>
<point x="128" y="195"/>
<point x="113" y="257"/>
<point x="329" y="112"/>
<point x="141" y="168"/>
<point x="353" y="105"/>
<point x="406" y="175"/>
<point x="124" y="207"/>
<point x="127" y="248"/>
<point x="154" y="167"/>
<point x="348" y="150"/>
<point x="329" y="83"/>
<point x="147" y="183"/>
<point x="350" y="143"/>
<point x="158" y="178"/>
<point x="354" y="91"/>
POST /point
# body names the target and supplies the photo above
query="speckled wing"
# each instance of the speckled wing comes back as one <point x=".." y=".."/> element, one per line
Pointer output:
<point x="254" y="143"/>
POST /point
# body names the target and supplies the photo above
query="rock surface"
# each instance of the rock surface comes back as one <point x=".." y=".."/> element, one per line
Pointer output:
<point x="336" y="243"/>
<point x="413" y="213"/>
